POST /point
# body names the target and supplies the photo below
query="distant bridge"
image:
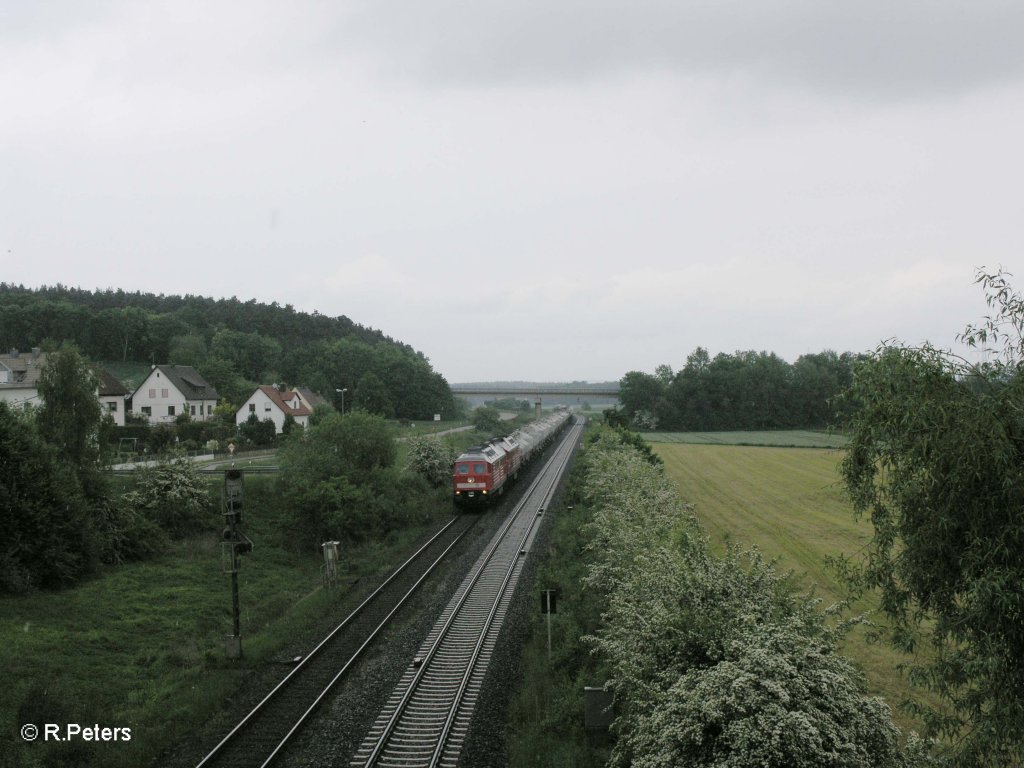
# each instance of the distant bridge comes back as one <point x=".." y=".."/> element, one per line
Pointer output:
<point x="536" y="390"/>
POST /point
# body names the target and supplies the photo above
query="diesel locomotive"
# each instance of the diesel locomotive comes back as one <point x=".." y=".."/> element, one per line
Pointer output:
<point x="484" y="471"/>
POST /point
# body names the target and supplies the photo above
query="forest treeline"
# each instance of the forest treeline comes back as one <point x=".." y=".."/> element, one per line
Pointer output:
<point x="739" y="391"/>
<point x="235" y="345"/>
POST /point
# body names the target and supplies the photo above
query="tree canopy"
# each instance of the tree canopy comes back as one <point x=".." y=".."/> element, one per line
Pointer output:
<point x="48" y="536"/>
<point x="235" y="345"/>
<point x="937" y="461"/>
<point x="743" y="390"/>
<point x="338" y="476"/>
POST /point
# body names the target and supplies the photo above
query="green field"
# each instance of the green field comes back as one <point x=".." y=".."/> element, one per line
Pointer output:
<point x="790" y="504"/>
<point x="141" y="645"/>
<point x="785" y="438"/>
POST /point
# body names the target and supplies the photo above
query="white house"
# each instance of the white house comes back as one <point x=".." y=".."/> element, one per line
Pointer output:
<point x="19" y="376"/>
<point x="171" y="390"/>
<point x="270" y="403"/>
<point x="19" y="383"/>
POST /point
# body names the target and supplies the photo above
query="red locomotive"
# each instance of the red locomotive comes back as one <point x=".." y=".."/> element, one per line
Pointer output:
<point x="483" y="472"/>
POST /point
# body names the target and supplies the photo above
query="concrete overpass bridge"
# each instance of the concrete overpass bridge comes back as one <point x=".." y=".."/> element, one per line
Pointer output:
<point x="527" y="390"/>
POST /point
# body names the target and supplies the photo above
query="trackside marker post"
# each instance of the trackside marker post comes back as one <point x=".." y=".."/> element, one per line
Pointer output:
<point x="548" y="605"/>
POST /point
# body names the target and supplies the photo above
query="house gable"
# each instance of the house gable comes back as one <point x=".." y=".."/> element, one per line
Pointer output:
<point x="268" y="402"/>
<point x="171" y="390"/>
<point x="19" y="376"/>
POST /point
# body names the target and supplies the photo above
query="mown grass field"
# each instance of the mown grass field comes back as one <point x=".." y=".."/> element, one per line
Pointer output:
<point x="785" y="438"/>
<point x="791" y="505"/>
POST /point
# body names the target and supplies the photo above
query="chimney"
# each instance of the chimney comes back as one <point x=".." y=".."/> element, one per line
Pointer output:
<point x="14" y="352"/>
<point x="35" y="352"/>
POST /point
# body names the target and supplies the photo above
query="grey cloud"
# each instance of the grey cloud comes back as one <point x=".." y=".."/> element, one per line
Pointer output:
<point x="21" y="20"/>
<point x="874" y="48"/>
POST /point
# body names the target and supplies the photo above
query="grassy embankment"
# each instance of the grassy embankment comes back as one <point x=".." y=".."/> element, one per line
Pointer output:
<point x="546" y="728"/>
<point x="791" y="505"/>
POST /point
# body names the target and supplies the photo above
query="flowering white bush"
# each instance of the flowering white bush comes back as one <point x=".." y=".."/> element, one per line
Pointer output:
<point x="431" y="458"/>
<point x="715" y="662"/>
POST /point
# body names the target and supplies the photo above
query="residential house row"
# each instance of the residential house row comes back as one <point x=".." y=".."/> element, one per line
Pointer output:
<point x="167" y="392"/>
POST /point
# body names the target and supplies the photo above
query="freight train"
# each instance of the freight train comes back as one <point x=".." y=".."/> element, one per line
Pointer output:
<point x="484" y="471"/>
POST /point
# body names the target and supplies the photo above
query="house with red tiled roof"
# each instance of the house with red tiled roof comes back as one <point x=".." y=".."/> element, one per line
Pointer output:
<point x="268" y="402"/>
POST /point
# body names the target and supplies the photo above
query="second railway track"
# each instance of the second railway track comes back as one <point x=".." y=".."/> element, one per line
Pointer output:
<point x="263" y="733"/>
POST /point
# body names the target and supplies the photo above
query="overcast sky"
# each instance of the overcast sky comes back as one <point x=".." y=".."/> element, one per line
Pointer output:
<point x="526" y="190"/>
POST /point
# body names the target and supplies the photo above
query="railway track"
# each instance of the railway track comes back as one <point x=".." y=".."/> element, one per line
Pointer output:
<point x="426" y="719"/>
<point x="261" y="735"/>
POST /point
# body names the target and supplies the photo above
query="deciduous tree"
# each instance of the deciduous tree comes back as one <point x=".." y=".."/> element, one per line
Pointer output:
<point x="937" y="461"/>
<point x="48" y="538"/>
<point x="487" y="420"/>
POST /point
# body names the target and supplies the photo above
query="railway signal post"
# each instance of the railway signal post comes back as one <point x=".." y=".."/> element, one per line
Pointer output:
<point x="234" y="544"/>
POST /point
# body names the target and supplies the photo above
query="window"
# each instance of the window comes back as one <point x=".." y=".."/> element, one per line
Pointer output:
<point x="146" y="410"/>
<point x="113" y="406"/>
<point x="252" y="407"/>
<point x="152" y="394"/>
<point x="479" y="469"/>
<point x="463" y="469"/>
<point x="266" y="407"/>
<point x="193" y="410"/>
<point x="170" y="410"/>
<point x="163" y="393"/>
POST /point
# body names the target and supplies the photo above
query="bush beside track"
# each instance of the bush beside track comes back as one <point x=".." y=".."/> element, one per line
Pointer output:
<point x="714" y="660"/>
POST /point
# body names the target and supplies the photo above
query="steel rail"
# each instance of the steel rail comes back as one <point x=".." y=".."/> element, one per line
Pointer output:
<point x="549" y="476"/>
<point x="556" y="476"/>
<point x="345" y="622"/>
<point x="384" y="622"/>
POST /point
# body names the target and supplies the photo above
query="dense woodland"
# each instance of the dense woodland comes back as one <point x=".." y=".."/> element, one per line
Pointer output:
<point x="740" y="391"/>
<point x="235" y="345"/>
